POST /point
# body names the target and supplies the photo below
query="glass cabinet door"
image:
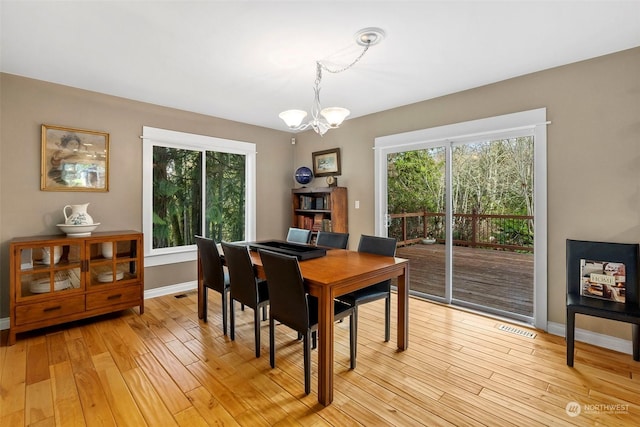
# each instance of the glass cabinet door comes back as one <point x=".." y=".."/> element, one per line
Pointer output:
<point x="45" y="269"/>
<point x="112" y="262"/>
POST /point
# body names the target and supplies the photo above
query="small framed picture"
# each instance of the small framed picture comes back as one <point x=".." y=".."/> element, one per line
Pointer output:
<point x="326" y="163"/>
<point x="74" y="159"/>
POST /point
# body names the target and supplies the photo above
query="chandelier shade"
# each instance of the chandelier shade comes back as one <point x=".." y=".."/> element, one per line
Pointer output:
<point x="323" y="119"/>
<point x="335" y="115"/>
<point x="293" y="118"/>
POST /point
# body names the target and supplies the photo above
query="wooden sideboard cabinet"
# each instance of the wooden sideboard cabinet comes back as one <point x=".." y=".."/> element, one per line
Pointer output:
<point x="320" y="209"/>
<point x="57" y="279"/>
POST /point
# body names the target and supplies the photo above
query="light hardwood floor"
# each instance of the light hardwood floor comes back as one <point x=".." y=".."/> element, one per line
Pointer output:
<point x="168" y="368"/>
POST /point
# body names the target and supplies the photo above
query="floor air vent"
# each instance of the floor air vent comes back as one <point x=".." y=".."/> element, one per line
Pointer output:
<point x="517" y="331"/>
<point x="185" y="294"/>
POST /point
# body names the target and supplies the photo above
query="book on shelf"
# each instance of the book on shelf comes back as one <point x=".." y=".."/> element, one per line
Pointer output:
<point x="306" y="202"/>
<point x="303" y="221"/>
<point x="317" y="222"/>
<point x="603" y="280"/>
<point x="315" y="202"/>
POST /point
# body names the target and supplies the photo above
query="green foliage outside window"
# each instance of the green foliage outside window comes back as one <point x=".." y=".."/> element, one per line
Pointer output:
<point x="225" y="199"/>
<point x="489" y="178"/>
<point x="177" y="196"/>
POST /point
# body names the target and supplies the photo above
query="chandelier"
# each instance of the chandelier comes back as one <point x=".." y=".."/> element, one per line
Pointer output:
<point x="323" y="119"/>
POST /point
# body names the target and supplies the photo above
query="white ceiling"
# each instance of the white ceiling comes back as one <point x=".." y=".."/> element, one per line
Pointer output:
<point x="249" y="60"/>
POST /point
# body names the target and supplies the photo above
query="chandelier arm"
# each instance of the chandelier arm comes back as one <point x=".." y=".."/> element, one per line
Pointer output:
<point x="303" y="126"/>
<point x="316" y="106"/>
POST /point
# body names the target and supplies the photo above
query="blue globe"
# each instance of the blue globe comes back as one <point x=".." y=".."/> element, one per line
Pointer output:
<point x="303" y="175"/>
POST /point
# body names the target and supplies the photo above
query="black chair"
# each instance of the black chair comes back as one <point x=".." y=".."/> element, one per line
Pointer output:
<point x="380" y="246"/>
<point x="579" y="255"/>
<point x="332" y="240"/>
<point x="292" y="306"/>
<point x="214" y="275"/>
<point x="246" y="288"/>
<point x="298" y="235"/>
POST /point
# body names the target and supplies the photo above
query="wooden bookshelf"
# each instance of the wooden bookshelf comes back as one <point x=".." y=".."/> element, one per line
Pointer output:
<point x="320" y="209"/>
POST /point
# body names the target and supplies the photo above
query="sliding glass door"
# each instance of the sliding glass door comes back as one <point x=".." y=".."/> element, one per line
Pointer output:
<point x="416" y="200"/>
<point x="493" y="228"/>
<point x="464" y="210"/>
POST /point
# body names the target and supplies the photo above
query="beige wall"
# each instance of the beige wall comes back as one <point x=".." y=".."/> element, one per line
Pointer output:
<point x="25" y="210"/>
<point x="593" y="150"/>
<point x="593" y="154"/>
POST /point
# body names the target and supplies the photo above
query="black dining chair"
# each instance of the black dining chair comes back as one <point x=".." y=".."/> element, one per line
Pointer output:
<point x="245" y="287"/>
<point x="214" y="275"/>
<point x="290" y="305"/>
<point x="380" y="246"/>
<point x="298" y="235"/>
<point x="331" y="239"/>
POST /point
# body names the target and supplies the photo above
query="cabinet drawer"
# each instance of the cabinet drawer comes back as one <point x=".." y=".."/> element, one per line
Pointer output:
<point x="113" y="297"/>
<point x="30" y="313"/>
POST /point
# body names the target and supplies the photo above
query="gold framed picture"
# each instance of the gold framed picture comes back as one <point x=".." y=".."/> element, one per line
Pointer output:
<point x="326" y="162"/>
<point x="74" y="159"/>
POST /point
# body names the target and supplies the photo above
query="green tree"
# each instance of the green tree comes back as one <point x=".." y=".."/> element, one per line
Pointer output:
<point x="415" y="181"/>
<point x="178" y="194"/>
<point x="489" y="177"/>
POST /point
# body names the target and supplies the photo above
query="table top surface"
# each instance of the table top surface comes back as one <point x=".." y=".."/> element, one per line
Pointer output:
<point x="342" y="266"/>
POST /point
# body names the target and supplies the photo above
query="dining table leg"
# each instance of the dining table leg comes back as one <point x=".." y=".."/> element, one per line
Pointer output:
<point x="325" y="346"/>
<point x="403" y="309"/>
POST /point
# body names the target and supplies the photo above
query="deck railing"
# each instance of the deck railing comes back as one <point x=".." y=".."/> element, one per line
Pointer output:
<point x="506" y="232"/>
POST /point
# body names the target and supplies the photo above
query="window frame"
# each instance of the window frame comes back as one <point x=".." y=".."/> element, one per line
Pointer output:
<point x="152" y="137"/>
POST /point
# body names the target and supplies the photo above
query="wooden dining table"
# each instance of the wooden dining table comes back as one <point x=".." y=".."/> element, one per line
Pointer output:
<point x="339" y="272"/>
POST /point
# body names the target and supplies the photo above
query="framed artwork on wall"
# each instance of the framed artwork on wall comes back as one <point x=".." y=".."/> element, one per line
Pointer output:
<point x="326" y="162"/>
<point x="74" y="159"/>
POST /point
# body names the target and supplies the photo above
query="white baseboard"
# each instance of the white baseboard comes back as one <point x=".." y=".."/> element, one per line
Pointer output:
<point x="151" y="293"/>
<point x="594" y="338"/>
<point x="171" y="289"/>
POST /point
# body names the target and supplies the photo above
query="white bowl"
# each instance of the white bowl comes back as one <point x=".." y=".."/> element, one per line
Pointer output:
<point x="108" y="277"/>
<point x="43" y="286"/>
<point x="78" y="230"/>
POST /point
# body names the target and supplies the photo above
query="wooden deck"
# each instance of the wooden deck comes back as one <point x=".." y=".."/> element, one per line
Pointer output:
<point x="501" y="280"/>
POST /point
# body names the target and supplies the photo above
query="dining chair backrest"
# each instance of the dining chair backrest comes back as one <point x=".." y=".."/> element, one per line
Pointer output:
<point x="332" y="240"/>
<point x="244" y="284"/>
<point x="377" y="245"/>
<point x="288" y="302"/>
<point x="212" y="267"/>
<point x="298" y="235"/>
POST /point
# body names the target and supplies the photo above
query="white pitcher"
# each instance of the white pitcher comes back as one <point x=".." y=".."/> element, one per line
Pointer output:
<point x="107" y="250"/>
<point x="79" y="215"/>
<point x="46" y="254"/>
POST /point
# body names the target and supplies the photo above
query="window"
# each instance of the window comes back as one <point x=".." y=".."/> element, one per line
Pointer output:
<point x="194" y="185"/>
